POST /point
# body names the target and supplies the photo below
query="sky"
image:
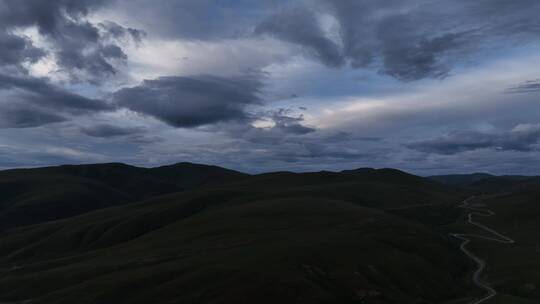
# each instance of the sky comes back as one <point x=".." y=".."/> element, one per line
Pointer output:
<point x="426" y="86"/>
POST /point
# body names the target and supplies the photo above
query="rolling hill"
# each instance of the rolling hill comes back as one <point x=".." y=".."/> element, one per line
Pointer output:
<point x="30" y="196"/>
<point x="513" y="269"/>
<point x="190" y="233"/>
<point x="482" y="182"/>
<point x="196" y="234"/>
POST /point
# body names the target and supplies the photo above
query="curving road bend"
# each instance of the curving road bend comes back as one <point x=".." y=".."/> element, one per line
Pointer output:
<point x="466" y="238"/>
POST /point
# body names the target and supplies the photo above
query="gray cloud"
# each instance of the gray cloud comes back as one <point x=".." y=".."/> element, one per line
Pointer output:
<point x="370" y="32"/>
<point x="409" y="38"/>
<point x="523" y="137"/>
<point x="30" y="102"/>
<point x="48" y="16"/>
<point x="82" y="49"/>
<point x="43" y="94"/>
<point x="15" y="50"/>
<point x="410" y="61"/>
<point x="529" y="86"/>
<point x="108" y="130"/>
<point x="455" y="143"/>
<point x="118" y="32"/>
<point x="191" y="101"/>
<point x="421" y="39"/>
<point x="283" y="127"/>
<point x="199" y="19"/>
<point x="288" y="124"/>
<point x="302" y="152"/>
<point x="406" y="39"/>
<point x="299" y="25"/>
<point x="26" y="116"/>
<point x="11" y="157"/>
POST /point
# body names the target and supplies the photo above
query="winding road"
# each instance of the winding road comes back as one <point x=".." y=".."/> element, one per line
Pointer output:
<point x="490" y="291"/>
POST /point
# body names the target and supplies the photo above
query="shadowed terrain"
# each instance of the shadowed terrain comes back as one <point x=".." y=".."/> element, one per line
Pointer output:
<point x="189" y="233"/>
<point x="30" y="196"/>
<point x="512" y="269"/>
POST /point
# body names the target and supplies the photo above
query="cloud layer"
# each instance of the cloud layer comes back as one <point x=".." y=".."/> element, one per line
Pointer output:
<point x="426" y="86"/>
<point x="31" y="102"/>
<point x="521" y="138"/>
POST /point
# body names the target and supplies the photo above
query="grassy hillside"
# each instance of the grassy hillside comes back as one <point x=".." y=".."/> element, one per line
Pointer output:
<point x="461" y="180"/>
<point x="316" y="250"/>
<point x="30" y="196"/>
<point x="383" y="188"/>
<point x="482" y="182"/>
<point x="348" y="237"/>
<point x="514" y="269"/>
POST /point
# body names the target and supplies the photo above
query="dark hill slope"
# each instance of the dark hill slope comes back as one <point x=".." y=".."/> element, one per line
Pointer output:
<point x="529" y="187"/>
<point x="481" y="182"/>
<point x="29" y="196"/>
<point x="460" y="180"/>
<point x="159" y="211"/>
<point x="272" y="238"/>
<point x="497" y="184"/>
<point x="225" y="245"/>
<point x="189" y="175"/>
<point x="514" y="270"/>
<point x="375" y="188"/>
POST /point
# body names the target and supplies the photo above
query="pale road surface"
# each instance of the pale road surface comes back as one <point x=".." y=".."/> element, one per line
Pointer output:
<point x="490" y="291"/>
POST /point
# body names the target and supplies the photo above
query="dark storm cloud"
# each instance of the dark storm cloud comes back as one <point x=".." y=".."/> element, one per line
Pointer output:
<point x="108" y="130"/>
<point x="15" y="50"/>
<point x="191" y="101"/>
<point x="299" y="25"/>
<point x="521" y="138"/>
<point x="49" y="16"/>
<point x="80" y="47"/>
<point x="407" y="61"/>
<point x="31" y="102"/>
